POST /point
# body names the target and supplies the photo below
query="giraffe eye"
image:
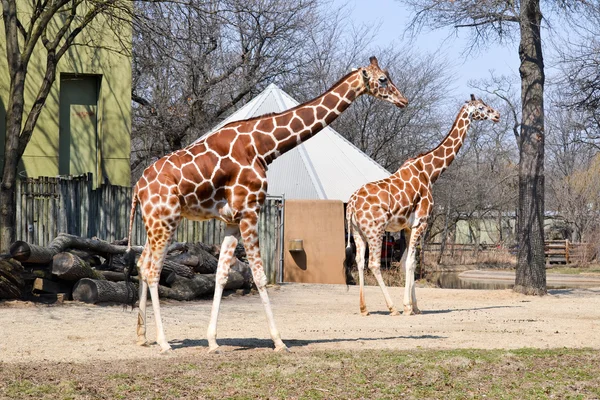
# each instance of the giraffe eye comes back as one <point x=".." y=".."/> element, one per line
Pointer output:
<point x="382" y="79"/>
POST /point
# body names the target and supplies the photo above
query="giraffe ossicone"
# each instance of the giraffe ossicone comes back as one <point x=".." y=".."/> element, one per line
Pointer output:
<point x="223" y="176"/>
<point x="403" y="201"/>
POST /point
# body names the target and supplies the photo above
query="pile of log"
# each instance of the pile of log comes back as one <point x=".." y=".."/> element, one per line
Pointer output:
<point x="93" y="271"/>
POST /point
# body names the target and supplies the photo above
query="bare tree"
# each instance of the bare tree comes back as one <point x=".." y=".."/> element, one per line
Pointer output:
<point x="579" y="59"/>
<point x="194" y="64"/>
<point x="56" y="26"/>
<point x="502" y="20"/>
<point x="390" y="137"/>
<point x="480" y="185"/>
<point x="574" y="165"/>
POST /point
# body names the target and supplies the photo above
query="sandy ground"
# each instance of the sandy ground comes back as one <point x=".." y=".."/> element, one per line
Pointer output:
<point x="309" y="317"/>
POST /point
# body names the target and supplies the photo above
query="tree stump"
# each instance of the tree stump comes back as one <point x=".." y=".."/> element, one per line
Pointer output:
<point x="102" y="291"/>
<point x="70" y="267"/>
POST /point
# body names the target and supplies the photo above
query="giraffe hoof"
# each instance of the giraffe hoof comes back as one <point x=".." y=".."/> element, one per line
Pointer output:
<point x="214" y="350"/>
<point x="408" y="311"/>
<point x="282" y="349"/>
<point x="167" y="352"/>
<point x="143" y="343"/>
<point x="394" y="313"/>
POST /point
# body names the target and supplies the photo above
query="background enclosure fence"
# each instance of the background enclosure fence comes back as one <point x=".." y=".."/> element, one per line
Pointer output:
<point x="47" y="206"/>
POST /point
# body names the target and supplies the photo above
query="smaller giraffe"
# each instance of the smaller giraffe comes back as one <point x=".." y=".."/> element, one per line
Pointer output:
<point x="403" y="201"/>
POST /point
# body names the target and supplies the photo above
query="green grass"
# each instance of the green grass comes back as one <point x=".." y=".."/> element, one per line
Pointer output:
<point x="419" y="374"/>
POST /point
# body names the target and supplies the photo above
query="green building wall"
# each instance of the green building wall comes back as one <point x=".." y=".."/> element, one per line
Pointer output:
<point x="104" y="54"/>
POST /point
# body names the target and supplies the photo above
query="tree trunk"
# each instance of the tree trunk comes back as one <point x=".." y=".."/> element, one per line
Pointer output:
<point x="70" y="267"/>
<point x="95" y="291"/>
<point x="11" y="279"/>
<point x="9" y="173"/>
<point x="531" y="271"/>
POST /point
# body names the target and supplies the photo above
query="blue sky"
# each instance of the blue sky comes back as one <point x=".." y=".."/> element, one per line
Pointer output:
<point x="393" y="17"/>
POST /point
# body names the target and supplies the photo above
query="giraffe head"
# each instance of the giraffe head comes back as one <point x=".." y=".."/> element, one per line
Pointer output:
<point x="480" y="111"/>
<point x="377" y="83"/>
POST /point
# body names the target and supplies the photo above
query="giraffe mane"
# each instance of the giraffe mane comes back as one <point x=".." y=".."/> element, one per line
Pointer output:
<point x="272" y="114"/>
<point x="442" y="141"/>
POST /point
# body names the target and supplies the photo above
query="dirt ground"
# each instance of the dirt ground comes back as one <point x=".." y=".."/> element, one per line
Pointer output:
<point x="309" y="317"/>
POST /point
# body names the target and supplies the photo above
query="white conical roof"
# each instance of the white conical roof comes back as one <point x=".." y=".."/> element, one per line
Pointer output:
<point x="326" y="166"/>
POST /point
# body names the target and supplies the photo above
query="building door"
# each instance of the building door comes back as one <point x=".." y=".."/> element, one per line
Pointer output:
<point x="314" y="241"/>
<point x="78" y="143"/>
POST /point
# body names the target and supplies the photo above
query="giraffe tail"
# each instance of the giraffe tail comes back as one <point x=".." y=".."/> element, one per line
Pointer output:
<point x="130" y="255"/>
<point x="350" y="249"/>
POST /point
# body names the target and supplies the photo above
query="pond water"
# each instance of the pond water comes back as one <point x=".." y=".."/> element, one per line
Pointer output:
<point x="451" y="280"/>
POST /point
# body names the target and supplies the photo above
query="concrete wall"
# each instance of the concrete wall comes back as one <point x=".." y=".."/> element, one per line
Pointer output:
<point x="320" y="226"/>
<point x="104" y="51"/>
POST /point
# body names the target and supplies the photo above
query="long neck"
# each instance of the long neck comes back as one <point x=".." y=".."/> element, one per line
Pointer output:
<point x="438" y="159"/>
<point x="290" y="128"/>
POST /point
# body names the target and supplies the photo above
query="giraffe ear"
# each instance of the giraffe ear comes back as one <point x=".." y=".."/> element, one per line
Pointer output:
<point x="472" y="97"/>
<point x="373" y="61"/>
<point x="365" y="74"/>
<point x="354" y="69"/>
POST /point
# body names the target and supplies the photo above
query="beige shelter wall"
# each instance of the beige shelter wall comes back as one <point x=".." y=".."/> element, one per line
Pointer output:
<point x="102" y="49"/>
<point x="320" y="226"/>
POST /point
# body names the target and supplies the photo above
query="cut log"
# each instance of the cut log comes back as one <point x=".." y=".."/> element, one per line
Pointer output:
<point x="207" y="262"/>
<point x="244" y="270"/>
<point x="69" y="267"/>
<point x="91" y="258"/>
<point x="188" y="259"/>
<point x="188" y="289"/>
<point x="235" y="280"/>
<point x="11" y="279"/>
<point x="25" y="252"/>
<point x="48" y="286"/>
<point x="113" y="276"/>
<point x="31" y="253"/>
<point x="167" y="277"/>
<point x="179" y="269"/>
<point x="96" y="291"/>
<point x="200" y="285"/>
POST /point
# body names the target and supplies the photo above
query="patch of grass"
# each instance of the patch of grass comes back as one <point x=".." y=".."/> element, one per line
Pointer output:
<point x="579" y="269"/>
<point x="449" y="374"/>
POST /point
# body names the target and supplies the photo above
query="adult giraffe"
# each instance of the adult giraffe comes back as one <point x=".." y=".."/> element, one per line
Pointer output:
<point x="403" y="201"/>
<point x="223" y="176"/>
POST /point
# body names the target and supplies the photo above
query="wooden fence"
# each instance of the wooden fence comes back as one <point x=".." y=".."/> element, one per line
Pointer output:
<point x="567" y="252"/>
<point x="466" y="254"/>
<point x="556" y="252"/>
<point x="47" y="206"/>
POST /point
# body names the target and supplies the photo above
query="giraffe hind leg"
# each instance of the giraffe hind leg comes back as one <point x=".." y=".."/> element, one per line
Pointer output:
<point x="143" y="265"/>
<point x="360" y="264"/>
<point x="249" y="231"/>
<point x="160" y="239"/>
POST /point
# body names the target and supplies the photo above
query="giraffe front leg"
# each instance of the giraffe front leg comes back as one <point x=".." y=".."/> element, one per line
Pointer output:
<point x="226" y="258"/>
<point x="375" y="243"/>
<point x="160" y="332"/>
<point x="141" y="321"/>
<point x="360" y="264"/>
<point x="249" y="231"/>
<point x="410" y="298"/>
